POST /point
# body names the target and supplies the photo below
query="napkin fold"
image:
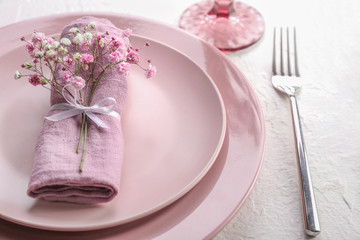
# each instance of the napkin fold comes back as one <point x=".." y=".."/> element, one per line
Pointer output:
<point x="55" y="175"/>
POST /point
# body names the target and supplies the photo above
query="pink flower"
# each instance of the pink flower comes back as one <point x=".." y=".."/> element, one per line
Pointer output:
<point x="115" y="44"/>
<point x="123" y="68"/>
<point x="68" y="61"/>
<point x="100" y="40"/>
<point x="150" y="71"/>
<point x="35" y="79"/>
<point x="84" y="46"/>
<point x="67" y="77"/>
<point x="77" y="82"/>
<point x="87" y="58"/>
<point x="50" y="40"/>
<point x="30" y="48"/>
<point x="96" y="39"/>
<point x="132" y="57"/>
<point x="115" y="57"/>
<point x="37" y="37"/>
<point x="127" y="32"/>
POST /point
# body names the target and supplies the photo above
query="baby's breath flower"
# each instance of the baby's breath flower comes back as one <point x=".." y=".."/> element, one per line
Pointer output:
<point x="87" y="36"/>
<point x="74" y="30"/>
<point x="92" y="25"/>
<point x="115" y="57"/>
<point x="28" y="65"/>
<point x="17" y="75"/>
<point x="55" y="45"/>
<point x="78" y="38"/>
<point x="123" y="68"/>
<point x="35" y="79"/>
<point x="50" y="53"/>
<point x="102" y="42"/>
<point x="47" y="47"/>
<point x="87" y="58"/>
<point x="44" y="43"/>
<point x="127" y="32"/>
<point x="50" y="40"/>
<point x="85" y="67"/>
<point x="77" y="56"/>
<point x="39" y="54"/>
<point x="65" y="41"/>
<point x="132" y="57"/>
<point x="77" y="82"/>
<point x="68" y="61"/>
<point x="43" y="81"/>
<point x="85" y="46"/>
<point x="37" y="37"/>
<point x="150" y="71"/>
<point x="63" y="50"/>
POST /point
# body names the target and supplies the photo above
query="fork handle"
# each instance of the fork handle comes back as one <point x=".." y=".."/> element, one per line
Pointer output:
<point x="311" y="218"/>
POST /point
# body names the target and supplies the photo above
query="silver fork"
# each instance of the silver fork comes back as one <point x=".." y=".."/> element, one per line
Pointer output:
<point x="289" y="82"/>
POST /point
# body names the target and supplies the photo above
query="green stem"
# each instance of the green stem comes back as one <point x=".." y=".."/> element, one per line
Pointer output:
<point x="84" y="147"/>
<point x="94" y="86"/>
<point x="81" y="133"/>
<point x="52" y="70"/>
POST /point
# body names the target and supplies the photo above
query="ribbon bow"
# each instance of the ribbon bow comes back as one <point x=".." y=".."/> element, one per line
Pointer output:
<point x="73" y="108"/>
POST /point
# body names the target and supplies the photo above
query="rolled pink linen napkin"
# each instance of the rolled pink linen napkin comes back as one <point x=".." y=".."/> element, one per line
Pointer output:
<point x="55" y="175"/>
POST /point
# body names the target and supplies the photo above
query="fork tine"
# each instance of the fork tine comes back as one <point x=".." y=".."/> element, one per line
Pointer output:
<point x="297" y="73"/>
<point x="281" y="53"/>
<point x="274" y="71"/>
<point x="288" y="52"/>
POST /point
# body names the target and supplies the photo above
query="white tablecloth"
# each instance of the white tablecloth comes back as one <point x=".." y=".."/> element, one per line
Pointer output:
<point x="329" y="54"/>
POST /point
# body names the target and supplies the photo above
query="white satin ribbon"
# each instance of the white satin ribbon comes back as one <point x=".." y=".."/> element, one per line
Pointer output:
<point x="73" y="109"/>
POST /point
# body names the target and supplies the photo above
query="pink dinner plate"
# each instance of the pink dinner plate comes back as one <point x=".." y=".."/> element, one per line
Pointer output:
<point x="173" y="127"/>
<point x="206" y="208"/>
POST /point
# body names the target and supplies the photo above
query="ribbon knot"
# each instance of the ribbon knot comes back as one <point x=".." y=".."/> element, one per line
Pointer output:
<point x="73" y="109"/>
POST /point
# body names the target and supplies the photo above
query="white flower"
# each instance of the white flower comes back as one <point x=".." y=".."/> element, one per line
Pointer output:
<point x="28" y="65"/>
<point x="85" y="67"/>
<point x="102" y="42"/>
<point x="92" y="25"/>
<point x="63" y="50"/>
<point x="87" y="36"/>
<point x="17" y="75"/>
<point x="55" y="45"/>
<point x="37" y="37"/>
<point x="47" y="47"/>
<point x="78" y="38"/>
<point x="77" y="56"/>
<point x="65" y="41"/>
<point x="74" y="30"/>
<point x="44" y="43"/>
<point x="39" y="54"/>
<point x="50" y="53"/>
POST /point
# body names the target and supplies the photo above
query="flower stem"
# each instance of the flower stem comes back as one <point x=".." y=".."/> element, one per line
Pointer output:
<point x="81" y="133"/>
<point x="84" y="147"/>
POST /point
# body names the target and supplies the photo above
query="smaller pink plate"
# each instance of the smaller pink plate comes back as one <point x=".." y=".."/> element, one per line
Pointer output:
<point x="174" y="127"/>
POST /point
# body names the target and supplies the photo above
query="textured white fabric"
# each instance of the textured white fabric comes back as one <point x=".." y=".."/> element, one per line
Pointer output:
<point x="329" y="54"/>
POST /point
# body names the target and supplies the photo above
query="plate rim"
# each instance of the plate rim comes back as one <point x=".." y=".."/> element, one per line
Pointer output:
<point x="206" y="233"/>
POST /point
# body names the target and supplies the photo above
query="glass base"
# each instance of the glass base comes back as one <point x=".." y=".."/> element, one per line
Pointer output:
<point x="241" y="28"/>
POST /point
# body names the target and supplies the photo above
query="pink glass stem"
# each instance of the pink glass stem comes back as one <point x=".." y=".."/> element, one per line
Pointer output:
<point x="222" y="8"/>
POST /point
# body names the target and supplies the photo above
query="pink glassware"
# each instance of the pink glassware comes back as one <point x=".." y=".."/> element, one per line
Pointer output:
<point x="226" y="24"/>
